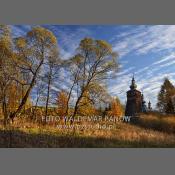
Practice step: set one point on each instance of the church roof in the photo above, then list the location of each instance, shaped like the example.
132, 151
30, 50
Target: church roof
133, 90
133, 84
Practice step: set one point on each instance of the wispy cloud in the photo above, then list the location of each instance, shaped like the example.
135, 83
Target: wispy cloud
167, 58
144, 39
68, 39
20, 30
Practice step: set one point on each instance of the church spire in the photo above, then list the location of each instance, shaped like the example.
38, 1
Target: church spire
133, 85
149, 105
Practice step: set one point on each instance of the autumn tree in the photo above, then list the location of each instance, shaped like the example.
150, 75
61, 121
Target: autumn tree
72, 68
165, 103
116, 109
62, 99
94, 63
52, 66
98, 94
8, 88
39, 90
13, 95
31, 52
87, 106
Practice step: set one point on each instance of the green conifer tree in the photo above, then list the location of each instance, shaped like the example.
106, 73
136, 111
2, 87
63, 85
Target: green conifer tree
165, 103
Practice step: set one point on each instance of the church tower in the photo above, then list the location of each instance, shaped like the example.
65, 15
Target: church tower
149, 106
134, 100
144, 107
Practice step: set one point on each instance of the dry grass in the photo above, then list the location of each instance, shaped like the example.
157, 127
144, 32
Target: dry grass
148, 131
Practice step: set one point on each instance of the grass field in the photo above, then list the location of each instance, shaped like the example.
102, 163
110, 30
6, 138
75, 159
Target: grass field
148, 131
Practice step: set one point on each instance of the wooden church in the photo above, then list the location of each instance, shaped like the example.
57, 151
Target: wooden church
135, 101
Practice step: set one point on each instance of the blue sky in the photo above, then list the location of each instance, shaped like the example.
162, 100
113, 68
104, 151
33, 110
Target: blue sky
148, 51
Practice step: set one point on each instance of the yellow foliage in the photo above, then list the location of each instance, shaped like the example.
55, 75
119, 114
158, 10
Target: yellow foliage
62, 102
86, 106
20, 42
13, 97
42, 35
116, 108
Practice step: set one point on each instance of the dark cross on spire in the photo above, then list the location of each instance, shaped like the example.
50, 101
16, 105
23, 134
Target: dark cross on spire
133, 84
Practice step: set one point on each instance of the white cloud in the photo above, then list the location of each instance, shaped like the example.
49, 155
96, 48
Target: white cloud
125, 71
20, 31
69, 40
145, 39
166, 58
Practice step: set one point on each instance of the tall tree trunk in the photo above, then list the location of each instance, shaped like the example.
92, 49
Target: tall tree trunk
79, 99
76, 107
67, 104
69, 95
24, 99
4, 110
48, 95
36, 105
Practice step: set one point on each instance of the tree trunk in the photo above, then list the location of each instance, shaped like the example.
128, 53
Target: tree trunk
76, 108
48, 95
34, 110
4, 110
69, 95
24, 99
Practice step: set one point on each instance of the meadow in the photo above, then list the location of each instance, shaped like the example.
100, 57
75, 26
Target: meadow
149, 130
